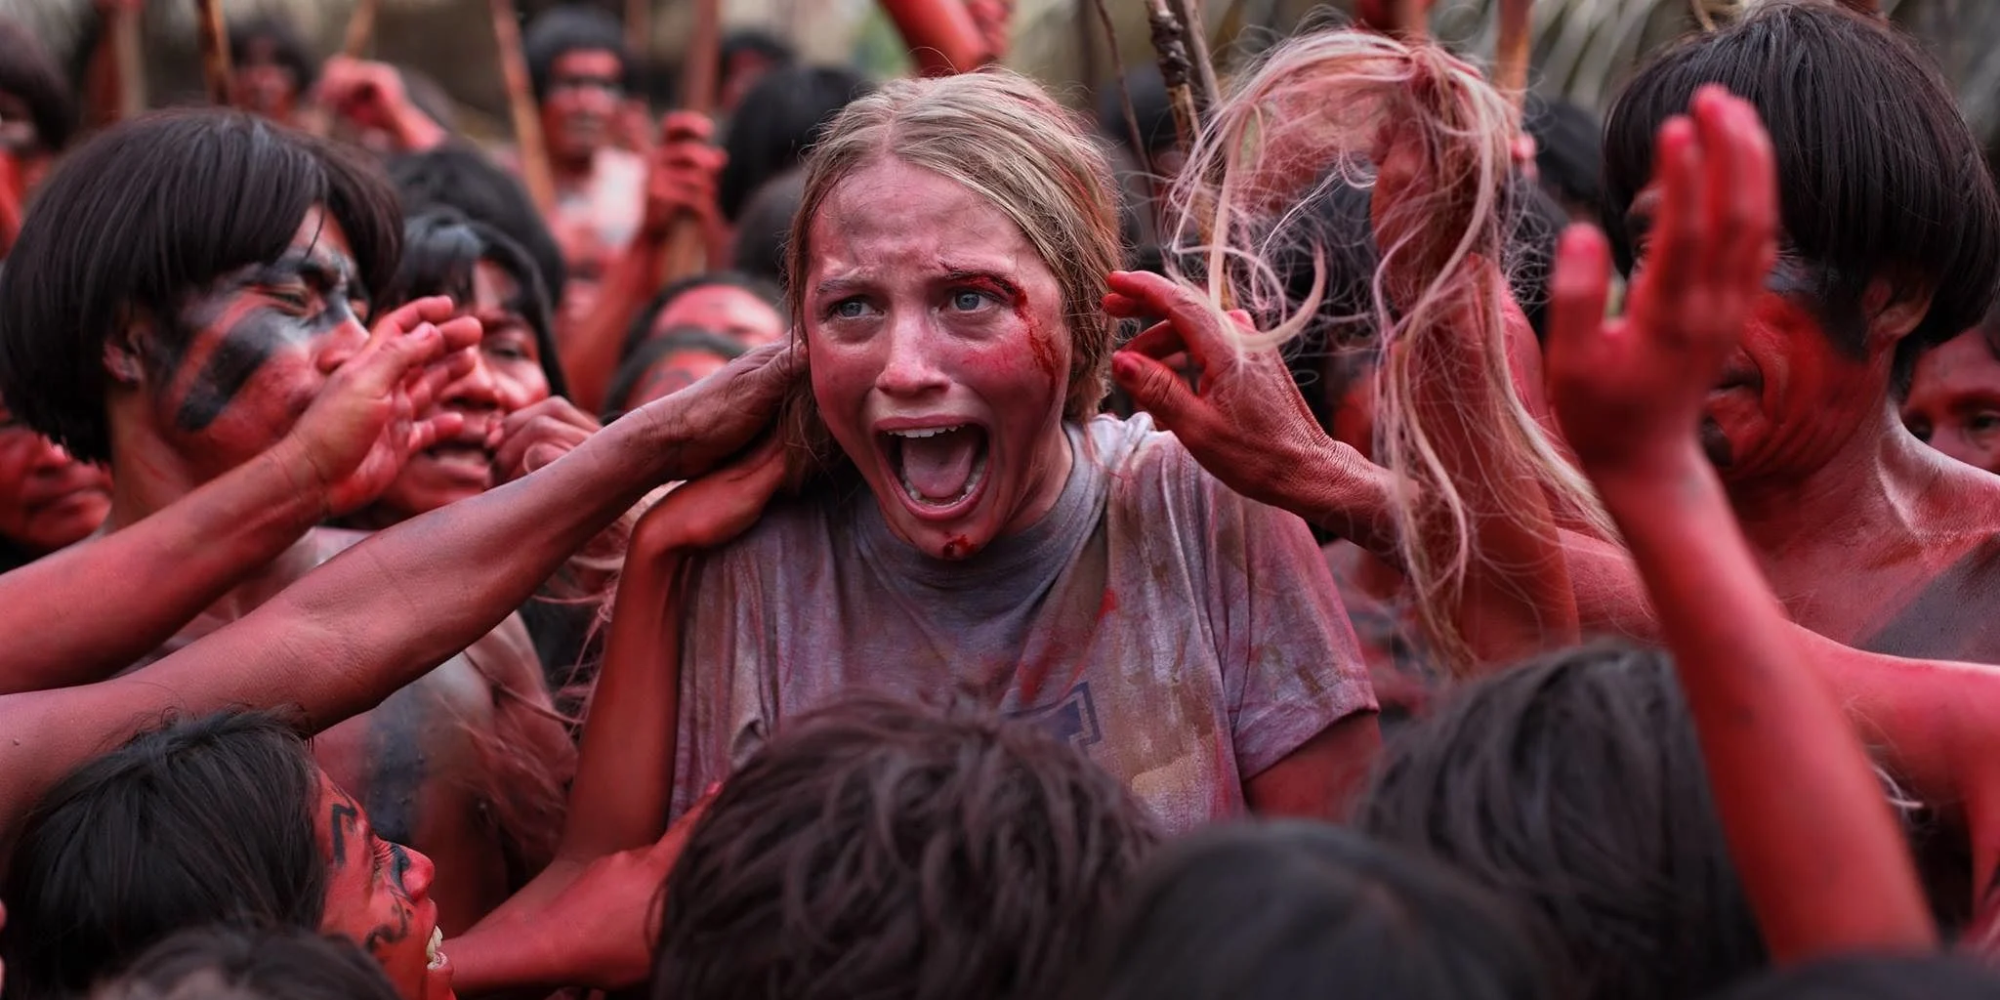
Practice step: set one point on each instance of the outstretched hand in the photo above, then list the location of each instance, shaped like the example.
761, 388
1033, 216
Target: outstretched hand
1244, 420
364, 425
1630, 390
713, 419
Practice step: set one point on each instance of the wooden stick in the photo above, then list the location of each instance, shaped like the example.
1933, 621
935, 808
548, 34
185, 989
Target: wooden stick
687, 244
128, 55
1412, 20
639, 29
361, 29
215, 64
1169, 43
534, 153
1872, 8
1202, 83
1138, 138
1510, 72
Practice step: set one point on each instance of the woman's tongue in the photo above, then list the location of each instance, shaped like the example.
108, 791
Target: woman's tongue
939, 469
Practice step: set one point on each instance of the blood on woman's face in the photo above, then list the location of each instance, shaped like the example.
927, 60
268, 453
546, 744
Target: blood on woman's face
247, 354
939, 356
1954, 401
506, 375
47, 499
378, 894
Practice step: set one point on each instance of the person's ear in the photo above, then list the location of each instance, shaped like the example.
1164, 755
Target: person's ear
125, 350
1894, 309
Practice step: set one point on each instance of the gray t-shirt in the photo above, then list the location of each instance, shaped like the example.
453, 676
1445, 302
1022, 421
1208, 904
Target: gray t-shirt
1185, 637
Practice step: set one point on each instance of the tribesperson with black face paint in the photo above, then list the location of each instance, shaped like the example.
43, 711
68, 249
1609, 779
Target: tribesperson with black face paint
183, 292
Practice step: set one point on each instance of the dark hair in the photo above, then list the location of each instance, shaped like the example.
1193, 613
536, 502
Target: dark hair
750, 41
1298, 909
457, 175
28, 72
1878, 175
1873, 977
641, 329
881, 849
225, 962
287, 47
570, 28
440, 249
617, 400
781, 116
1154, 113
1574, 783
1569, 152
204, 820
144, 215
765, 225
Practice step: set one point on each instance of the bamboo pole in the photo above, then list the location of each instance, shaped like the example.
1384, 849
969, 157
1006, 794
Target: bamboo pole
214, 37
360, 29
534, 152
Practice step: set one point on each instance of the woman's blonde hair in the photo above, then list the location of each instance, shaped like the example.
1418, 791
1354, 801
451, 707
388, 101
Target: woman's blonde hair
1308, 120
1000, 135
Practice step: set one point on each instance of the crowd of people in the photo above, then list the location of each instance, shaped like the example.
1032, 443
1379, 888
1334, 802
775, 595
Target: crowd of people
1396, 541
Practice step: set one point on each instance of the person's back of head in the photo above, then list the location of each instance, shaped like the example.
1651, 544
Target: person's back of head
1280, 910
765, 225
1569, 153
459, 176
1869, 977
881, 849
203, 821
1574, 784
237, 963
781, 116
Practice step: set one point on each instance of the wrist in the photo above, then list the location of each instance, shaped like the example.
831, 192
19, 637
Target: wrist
1647, 469
304, 484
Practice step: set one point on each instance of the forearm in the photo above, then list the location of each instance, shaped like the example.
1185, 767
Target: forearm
941, 35
590, 354
1822, 860
625, 775
102, 604
505, 953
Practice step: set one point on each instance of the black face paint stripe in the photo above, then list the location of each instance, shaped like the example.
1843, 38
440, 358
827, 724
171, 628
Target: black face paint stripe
243, 350
341, 813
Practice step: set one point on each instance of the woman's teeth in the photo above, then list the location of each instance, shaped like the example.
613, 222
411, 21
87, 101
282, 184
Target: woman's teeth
432, 950
928, 432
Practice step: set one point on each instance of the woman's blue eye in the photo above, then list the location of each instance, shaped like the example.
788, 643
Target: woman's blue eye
848, 308
968, 301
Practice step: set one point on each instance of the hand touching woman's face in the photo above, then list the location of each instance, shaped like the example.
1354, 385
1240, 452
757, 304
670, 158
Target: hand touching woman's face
939, 356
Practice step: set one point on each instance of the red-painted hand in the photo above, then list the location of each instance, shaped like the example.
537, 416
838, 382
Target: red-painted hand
1244, 421
364, 425
682, 173
711, 420
536, 435
716, 508
1628, 390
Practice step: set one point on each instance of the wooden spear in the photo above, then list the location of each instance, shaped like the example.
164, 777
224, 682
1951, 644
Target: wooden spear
639, 29
686, 243
360, 29
1510, 71
128, 56
214, 35
534, 153
1202, 84
1169, 44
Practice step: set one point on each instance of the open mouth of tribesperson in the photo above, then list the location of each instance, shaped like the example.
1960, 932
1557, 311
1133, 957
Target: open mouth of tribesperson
941, 469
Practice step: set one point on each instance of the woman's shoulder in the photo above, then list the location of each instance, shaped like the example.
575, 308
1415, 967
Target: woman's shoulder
1147, 464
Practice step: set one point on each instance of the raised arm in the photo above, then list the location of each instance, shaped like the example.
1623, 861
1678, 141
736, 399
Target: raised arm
105, 602
1821, 857
680, 179
383, 613
625, 776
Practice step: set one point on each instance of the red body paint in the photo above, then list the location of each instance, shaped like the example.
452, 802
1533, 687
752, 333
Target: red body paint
1110, 604
957, 548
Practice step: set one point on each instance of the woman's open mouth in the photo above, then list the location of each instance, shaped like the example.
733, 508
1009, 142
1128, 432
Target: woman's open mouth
941, 469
